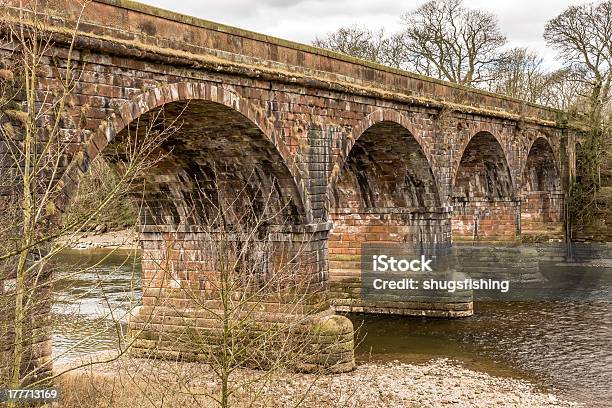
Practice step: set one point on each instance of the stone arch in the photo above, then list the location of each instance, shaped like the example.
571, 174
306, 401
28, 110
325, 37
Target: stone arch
392, 121
184, 241
177, 93
386, 168
540, 171
484, 199
542, 197
384, 193
483, 162
478, 130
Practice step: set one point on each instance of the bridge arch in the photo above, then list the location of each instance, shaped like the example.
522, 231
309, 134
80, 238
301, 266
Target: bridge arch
383, 191
482, 161
542, 197
379, 122
541, 170
177, 93
484, 199
495, 141
182, 239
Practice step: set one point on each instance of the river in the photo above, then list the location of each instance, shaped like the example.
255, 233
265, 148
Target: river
563, 346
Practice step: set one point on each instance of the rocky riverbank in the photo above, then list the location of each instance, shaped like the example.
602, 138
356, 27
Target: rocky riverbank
100, 238
439, 383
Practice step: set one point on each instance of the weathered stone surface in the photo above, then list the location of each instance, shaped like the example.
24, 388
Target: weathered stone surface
349, 152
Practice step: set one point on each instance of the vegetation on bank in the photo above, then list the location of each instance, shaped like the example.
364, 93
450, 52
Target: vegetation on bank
95, 185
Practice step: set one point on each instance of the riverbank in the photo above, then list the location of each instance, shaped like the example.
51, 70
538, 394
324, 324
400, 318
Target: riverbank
122, 239
438, 383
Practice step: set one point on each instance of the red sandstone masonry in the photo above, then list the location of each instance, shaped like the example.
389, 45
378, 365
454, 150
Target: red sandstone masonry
127, 20
316, 119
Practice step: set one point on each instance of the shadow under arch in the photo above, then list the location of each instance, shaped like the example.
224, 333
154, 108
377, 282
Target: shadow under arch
176, 93
483, 146
542, 198
484, 198
397, 133
386, 168
216, 156
540, 170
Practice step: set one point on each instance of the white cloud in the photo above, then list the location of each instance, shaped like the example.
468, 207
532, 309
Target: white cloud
302, 20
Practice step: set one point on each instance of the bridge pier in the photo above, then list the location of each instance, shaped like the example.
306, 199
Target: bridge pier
386, 194
485, 220
358, 236
542, 216
193, 305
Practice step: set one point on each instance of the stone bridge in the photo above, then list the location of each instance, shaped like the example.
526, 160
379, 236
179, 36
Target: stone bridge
354, 151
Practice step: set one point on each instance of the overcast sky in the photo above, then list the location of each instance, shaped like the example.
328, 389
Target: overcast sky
302, 20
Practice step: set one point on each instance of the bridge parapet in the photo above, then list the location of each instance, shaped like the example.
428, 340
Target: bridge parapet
126, 27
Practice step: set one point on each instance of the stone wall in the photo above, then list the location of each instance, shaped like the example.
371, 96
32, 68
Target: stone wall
542, 215
481, 220
184, 299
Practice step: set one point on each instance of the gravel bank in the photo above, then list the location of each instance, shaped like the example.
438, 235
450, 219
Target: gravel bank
438, 383
123, 239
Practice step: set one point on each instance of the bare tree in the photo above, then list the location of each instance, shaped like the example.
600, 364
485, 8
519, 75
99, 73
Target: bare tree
236, 293
519, 74
93, 188
356, 41
246, 273
564, 89
445, 40
394, 51
582, 35
364, 43
39, 129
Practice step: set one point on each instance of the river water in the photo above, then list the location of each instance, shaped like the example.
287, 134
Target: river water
563, 346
